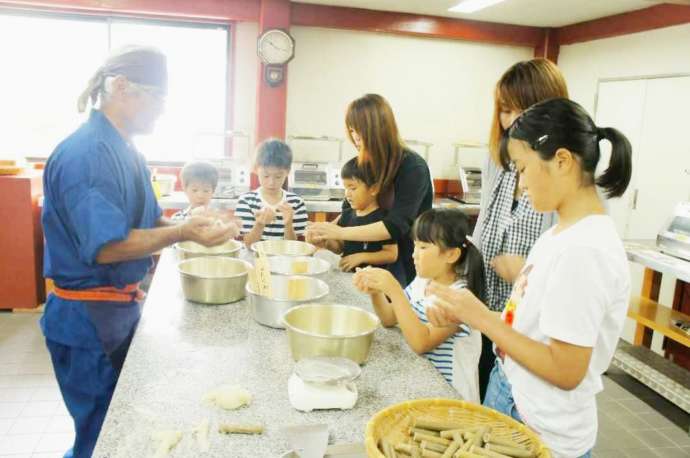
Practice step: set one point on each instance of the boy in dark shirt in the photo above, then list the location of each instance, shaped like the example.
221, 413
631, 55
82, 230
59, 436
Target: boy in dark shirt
364, 209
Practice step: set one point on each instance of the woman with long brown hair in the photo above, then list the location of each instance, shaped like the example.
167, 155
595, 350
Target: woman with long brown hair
402, 181
508, 226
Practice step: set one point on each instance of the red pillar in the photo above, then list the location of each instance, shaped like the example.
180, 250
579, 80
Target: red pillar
271, 102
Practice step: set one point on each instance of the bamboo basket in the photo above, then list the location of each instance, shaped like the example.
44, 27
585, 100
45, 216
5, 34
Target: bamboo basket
392, 423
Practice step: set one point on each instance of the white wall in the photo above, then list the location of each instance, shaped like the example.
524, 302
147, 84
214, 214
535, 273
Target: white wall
246, 73
656, 52
441, 90
661, 51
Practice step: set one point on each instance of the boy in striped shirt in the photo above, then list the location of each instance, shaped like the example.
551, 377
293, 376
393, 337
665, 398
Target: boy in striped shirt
270, 212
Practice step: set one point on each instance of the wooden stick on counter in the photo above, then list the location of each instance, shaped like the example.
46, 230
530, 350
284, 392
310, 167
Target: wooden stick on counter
227, 428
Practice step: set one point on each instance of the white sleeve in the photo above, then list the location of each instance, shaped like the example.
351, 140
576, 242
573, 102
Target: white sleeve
577, 296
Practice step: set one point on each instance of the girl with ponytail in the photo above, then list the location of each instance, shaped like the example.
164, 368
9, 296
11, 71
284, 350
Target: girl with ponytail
561, 325
443, 254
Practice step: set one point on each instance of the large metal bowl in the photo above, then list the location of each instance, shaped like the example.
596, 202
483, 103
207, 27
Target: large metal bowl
299, 265
269, 311
213, 279
330, 330
187, 250
284, 248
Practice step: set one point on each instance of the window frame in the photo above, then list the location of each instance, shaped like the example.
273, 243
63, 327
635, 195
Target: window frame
109, 18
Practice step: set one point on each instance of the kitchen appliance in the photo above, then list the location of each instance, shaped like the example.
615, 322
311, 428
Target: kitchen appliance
287, 291
316, 179
674, 238
323, 383
213, 280
330, 330
470, 185
229, 152
470, 177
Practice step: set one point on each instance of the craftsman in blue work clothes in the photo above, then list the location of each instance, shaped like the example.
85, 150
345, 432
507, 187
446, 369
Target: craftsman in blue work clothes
102, 223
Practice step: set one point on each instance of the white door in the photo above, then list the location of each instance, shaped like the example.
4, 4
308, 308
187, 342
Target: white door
620, 104
661, 169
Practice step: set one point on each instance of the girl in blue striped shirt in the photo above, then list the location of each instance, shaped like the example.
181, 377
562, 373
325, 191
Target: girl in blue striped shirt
443, 254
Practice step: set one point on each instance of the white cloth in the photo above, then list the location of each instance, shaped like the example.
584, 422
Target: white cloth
466, 353
457, 359
574, 288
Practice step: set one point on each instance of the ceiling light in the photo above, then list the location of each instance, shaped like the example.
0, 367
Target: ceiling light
470, 6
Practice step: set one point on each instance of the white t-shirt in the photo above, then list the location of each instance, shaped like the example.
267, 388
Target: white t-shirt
575, 288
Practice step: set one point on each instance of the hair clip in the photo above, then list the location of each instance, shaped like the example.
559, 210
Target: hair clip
540, 141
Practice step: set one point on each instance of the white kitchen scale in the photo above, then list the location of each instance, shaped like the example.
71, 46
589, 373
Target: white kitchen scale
323, 383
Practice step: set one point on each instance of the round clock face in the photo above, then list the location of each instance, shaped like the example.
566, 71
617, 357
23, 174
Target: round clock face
276, 47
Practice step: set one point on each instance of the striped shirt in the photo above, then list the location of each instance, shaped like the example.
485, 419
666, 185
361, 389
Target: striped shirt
442, 356
252, 202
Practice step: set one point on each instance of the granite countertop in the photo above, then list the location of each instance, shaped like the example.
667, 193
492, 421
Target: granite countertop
182, 350
177, 201
647, 253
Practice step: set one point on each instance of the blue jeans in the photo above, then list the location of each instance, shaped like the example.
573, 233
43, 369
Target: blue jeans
499, 396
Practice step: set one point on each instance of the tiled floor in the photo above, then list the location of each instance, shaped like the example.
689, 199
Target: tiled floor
633, 420
33, 420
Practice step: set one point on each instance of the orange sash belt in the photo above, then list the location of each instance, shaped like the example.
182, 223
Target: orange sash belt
102, 294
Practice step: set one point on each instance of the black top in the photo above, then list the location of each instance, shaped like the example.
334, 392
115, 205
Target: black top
412, 195
349, 218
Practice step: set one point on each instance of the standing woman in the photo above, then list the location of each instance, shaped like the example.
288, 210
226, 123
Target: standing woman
508, 225
403, 182
560, 328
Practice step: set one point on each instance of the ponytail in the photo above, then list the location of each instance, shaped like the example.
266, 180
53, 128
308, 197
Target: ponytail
471, 264
449, 228
562, 123
616, 178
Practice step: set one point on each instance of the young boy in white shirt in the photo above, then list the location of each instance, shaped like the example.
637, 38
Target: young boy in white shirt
199, 181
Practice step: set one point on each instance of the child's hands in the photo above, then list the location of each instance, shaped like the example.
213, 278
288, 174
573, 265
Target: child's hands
310, 238
349, 263
207, 231
326, 231
265, 216
375, 280
455, 306
288, 213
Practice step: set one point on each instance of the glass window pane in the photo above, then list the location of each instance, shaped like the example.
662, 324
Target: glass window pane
196, 102
46, 64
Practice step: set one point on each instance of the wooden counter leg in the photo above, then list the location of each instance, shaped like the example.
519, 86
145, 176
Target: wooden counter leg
651, 284
643, 335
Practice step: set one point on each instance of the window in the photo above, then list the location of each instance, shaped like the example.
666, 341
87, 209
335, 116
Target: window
197, 63
46, 67
52, 58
